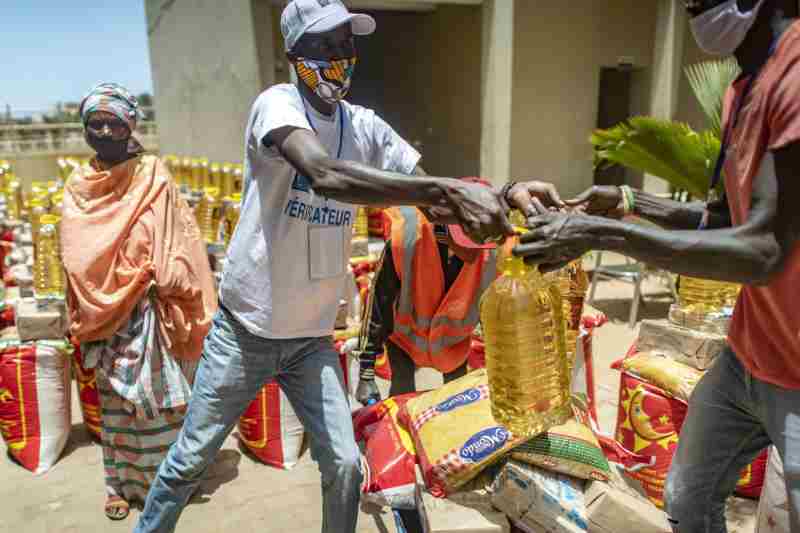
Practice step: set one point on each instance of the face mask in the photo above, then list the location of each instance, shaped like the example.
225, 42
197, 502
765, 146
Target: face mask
107, 148
722, 30
330, 80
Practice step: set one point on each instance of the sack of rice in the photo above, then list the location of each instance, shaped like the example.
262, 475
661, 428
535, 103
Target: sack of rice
455, 434
35, 408
271, 430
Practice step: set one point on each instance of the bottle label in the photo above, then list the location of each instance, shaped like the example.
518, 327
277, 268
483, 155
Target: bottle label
467, 397
482, 445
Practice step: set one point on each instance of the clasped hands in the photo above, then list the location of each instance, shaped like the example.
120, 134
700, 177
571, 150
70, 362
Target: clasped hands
559, 231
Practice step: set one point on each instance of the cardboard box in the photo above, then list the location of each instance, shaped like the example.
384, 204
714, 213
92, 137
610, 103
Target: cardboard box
445, 516
540, 501
35, 322
694, 348
610, 510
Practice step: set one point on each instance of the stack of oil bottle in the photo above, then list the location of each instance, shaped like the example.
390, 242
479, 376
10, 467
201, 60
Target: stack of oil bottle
214, 191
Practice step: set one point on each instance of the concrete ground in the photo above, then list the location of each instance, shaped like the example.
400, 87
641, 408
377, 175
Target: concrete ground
243, 496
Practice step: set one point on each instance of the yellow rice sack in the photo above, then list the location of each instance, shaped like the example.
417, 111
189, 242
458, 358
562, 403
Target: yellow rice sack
455, 433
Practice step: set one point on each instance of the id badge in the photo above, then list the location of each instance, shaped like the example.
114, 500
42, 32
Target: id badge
325, 252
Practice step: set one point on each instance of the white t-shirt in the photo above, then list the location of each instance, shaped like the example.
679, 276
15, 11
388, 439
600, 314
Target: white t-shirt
286, 265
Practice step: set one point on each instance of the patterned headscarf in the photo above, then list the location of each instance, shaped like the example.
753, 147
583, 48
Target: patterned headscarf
112, 98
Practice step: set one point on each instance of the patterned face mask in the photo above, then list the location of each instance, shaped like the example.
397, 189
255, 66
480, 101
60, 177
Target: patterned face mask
330, 80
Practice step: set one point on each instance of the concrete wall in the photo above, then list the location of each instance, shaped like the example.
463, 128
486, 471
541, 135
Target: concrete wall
206, 72
559, 49
689, 109
426, 87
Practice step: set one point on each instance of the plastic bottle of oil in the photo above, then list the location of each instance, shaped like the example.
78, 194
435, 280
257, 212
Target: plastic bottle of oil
232, 208
48, 270
215, 177
523, 327
706, 296
38, 209
573, 284
226, 179
209, 212
14, 198
238, 177
361, 226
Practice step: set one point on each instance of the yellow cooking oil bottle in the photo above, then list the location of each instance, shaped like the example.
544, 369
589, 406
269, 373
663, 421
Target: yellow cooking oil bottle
705, 296
573, 282
209, 212
526, 361
48, 270
361, 226
232, 207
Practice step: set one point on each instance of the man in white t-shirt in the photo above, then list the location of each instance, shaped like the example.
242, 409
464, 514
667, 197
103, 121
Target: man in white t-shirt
310, 156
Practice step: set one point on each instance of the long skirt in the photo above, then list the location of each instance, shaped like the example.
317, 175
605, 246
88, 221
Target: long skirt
133, 447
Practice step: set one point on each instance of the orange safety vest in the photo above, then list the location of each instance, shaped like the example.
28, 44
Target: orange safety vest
433, 326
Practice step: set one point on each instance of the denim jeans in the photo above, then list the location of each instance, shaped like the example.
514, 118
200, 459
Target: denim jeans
732, 417
234, 366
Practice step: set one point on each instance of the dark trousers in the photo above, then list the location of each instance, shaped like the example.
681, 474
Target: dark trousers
403, 382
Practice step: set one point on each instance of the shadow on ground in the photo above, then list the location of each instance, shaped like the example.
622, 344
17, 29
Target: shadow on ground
224, 470
79, 437
653, 307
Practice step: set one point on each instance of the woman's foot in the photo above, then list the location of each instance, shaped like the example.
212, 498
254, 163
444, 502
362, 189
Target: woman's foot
117, 508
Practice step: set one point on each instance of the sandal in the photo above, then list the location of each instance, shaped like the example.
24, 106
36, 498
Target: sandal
116, 508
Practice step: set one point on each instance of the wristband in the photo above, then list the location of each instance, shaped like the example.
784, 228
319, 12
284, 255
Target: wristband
628, 200
507, 189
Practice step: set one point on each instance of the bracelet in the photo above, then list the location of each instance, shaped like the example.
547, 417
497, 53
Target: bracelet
628, 200
507, 189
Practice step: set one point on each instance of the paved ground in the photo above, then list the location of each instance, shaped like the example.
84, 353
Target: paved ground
243, 496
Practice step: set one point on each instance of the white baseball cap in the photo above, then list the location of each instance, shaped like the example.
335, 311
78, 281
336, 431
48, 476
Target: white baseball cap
319, 16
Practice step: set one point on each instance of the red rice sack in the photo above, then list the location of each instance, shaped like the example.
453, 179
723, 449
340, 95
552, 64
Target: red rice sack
650, 420
390, 457
86, 379
270, 429
35, 408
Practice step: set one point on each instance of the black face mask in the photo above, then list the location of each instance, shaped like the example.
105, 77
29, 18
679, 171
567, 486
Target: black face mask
108, 149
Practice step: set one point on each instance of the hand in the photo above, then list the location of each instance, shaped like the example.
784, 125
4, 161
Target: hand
533, 198
480, 211
367, 390
439, 215
555, 239
600, 200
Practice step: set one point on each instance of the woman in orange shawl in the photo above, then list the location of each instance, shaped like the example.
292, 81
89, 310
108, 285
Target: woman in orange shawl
140, 293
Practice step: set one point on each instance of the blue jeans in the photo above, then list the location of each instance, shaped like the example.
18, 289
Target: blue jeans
234, 366
732, 417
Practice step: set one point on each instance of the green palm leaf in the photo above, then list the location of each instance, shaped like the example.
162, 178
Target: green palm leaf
709, 81
669, 150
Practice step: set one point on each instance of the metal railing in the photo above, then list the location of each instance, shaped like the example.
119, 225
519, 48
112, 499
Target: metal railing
55, 139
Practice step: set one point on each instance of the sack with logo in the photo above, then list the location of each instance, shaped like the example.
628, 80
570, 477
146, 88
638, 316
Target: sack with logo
571, 449
773, 509
270, 430
675, 378
377, 222
86, 379
648, 427
455, 434
35, 408
390, 458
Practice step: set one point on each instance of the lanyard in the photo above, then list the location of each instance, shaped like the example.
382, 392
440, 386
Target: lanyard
734, 120
341, 127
